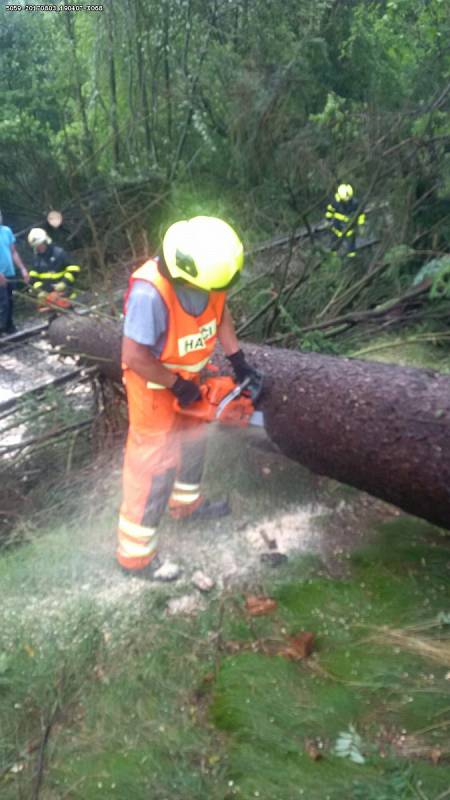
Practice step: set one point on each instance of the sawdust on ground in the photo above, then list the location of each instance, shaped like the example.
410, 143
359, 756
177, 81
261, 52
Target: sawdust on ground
228, 551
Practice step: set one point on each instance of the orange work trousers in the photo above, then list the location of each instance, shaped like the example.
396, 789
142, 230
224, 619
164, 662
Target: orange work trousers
163, 467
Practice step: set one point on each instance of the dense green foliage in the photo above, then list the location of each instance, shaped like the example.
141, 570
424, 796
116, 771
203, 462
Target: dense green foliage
266, 102
144, 112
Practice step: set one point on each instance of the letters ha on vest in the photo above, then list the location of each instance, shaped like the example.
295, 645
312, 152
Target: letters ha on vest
188, 344
190, 340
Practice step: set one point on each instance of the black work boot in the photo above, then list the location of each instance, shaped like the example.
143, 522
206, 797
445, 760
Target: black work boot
211, 509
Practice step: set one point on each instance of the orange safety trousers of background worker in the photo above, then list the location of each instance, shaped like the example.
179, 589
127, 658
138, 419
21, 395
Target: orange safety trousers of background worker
165, 450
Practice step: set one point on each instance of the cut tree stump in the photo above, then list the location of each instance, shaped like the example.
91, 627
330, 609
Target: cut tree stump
382, 428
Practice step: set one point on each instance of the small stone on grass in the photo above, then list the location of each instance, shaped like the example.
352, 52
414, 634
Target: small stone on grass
202, 582
168, 571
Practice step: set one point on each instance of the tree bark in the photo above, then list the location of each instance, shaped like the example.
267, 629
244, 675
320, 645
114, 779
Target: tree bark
382, 428
113, 87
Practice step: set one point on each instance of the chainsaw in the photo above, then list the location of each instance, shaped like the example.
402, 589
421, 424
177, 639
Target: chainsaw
53, 300
227, 402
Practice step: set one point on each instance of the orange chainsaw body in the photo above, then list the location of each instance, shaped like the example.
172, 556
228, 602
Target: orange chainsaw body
237, 411
54, 300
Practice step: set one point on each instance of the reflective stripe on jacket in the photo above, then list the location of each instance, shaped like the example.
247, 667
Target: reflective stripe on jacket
190, 340
343, 212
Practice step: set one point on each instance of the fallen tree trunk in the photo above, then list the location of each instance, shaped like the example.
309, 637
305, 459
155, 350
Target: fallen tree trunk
382, 428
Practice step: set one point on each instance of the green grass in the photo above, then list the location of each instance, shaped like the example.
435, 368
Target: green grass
402, 349
269, 707
152, 707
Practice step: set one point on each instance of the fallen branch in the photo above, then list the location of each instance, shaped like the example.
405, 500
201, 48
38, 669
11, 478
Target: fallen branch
39, 772
426, 337
355, 317
285, 295
36, 440
433, 650
79, 374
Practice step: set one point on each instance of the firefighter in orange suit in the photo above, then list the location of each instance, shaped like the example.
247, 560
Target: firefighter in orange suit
175, 311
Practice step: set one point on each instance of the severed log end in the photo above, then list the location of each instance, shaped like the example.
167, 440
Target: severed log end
98, 341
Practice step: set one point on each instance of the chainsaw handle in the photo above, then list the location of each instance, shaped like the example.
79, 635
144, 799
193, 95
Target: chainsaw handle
223, 400
200, 409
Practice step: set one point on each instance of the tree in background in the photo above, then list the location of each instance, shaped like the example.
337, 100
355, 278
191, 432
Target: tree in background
256, 108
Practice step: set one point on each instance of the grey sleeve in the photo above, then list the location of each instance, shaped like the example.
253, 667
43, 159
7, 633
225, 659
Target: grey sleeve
146, 320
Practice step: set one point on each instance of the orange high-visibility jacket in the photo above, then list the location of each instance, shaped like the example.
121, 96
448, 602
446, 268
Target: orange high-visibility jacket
190, 340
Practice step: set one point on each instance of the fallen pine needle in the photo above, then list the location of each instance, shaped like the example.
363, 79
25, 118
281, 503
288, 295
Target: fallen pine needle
432, 649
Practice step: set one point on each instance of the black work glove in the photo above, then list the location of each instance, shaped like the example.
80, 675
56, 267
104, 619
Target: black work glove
186, 392
241, 369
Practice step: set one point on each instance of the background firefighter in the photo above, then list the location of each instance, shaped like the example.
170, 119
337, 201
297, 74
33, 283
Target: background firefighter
53, 275
175, 311
342, 210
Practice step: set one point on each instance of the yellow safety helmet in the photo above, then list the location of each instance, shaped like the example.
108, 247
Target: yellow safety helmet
38, 236
204, 251
344, 192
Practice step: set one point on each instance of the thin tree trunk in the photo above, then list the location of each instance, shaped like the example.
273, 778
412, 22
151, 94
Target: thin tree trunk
166, 63
70, 27
113, 87
141, 32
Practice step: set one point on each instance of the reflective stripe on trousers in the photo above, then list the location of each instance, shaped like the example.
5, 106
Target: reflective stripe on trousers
339, 233
185, 493
163, 462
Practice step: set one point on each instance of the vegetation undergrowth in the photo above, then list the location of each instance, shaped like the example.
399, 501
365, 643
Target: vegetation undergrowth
407, 349
122, 701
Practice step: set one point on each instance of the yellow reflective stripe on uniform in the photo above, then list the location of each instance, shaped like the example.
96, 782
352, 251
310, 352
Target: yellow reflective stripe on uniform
186, 487
73, 268
69, 277
37, 284
135, 530
185, 492
361, 219
337, 232
341, 217
186, 367
185, 497
127, 548
189, 367
49, 275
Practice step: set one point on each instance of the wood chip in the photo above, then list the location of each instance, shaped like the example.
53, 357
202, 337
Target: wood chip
257, 606
313, 751
202, 582
298, 647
